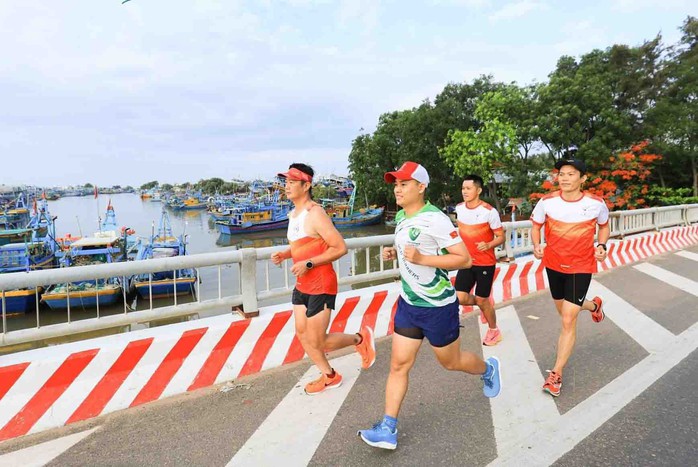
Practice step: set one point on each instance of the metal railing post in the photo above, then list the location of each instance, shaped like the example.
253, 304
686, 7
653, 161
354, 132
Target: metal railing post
248, 281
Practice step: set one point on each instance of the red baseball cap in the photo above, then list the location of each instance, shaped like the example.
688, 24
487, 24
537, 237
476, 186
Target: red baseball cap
408, 171
295, 174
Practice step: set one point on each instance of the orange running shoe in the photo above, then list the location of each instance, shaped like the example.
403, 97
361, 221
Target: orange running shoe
367, 348
323, 383
598, 315
553, 384
493, 337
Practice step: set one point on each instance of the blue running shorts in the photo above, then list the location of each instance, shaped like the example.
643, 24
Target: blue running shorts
440, 325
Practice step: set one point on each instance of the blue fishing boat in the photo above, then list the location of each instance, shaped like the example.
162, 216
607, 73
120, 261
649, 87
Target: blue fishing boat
109, 245
345, 217
13, 222
361, 218
165, 283
270, 213
36, 254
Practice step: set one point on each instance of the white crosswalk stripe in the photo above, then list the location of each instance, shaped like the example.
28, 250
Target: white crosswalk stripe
668, 277
688, 255
643, 329
41, 454
292, 432
521, 403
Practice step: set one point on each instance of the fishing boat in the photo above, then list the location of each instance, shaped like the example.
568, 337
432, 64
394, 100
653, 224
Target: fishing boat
345, 217
109, 245
247, 219
164, 244
101, 248
35, 254
361, 218
13, 222
189, 204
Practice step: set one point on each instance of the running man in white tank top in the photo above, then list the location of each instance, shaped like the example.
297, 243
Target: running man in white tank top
315, 244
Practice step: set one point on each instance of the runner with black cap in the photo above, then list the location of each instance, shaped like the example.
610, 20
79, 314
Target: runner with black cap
315, 244
426, 247
570, 217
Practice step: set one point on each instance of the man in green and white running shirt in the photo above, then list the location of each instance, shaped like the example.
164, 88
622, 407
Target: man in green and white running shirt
432, 233
426, 246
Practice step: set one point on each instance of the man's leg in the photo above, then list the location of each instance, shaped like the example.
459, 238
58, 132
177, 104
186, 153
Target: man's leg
488, 310
311, 333
451, 357
402, 358
568, 334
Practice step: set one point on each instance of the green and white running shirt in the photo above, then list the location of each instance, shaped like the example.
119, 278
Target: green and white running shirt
431, 232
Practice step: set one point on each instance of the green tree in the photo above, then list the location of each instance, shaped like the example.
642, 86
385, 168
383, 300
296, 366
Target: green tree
149, 185
675, 117
484, 151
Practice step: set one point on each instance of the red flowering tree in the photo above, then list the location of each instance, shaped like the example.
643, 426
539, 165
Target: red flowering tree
622, 183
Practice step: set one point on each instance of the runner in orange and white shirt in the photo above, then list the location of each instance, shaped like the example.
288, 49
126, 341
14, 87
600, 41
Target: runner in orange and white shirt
315, 244
570, 217
481, 230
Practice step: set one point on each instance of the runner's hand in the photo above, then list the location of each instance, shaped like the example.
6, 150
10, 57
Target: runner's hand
538, 251
299, 269
276, 258
483, 246
389, 253
600, 254
413, 255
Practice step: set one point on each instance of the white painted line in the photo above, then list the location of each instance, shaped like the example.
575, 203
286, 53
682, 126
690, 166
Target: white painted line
522, 406
42, 454
553, 440
688, 254
643, 329
668, 277
295, 428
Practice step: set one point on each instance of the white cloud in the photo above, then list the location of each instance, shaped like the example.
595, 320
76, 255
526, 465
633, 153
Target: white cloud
476, 4
516, 10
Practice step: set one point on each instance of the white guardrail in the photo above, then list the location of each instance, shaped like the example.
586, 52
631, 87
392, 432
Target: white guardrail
258, 280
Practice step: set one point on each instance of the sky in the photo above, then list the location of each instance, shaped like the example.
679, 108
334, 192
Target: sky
179, 90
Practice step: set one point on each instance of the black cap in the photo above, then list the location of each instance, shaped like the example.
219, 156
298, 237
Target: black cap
576, 163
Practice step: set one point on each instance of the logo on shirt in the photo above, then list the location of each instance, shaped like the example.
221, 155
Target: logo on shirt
454, 234
414, 232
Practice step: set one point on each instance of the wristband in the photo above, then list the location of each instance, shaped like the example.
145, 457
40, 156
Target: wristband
602, 245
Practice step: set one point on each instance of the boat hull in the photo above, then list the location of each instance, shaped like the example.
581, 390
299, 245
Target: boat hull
166, 287
227, 229
21, 301
84, 299
361, 220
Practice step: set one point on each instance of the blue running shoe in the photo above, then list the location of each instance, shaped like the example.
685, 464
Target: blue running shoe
379, 436
493, 384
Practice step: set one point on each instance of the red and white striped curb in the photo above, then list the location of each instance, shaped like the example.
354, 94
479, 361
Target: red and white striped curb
50, 387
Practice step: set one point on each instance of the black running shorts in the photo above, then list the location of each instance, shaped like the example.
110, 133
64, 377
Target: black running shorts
314, 304
570, 287
479, 276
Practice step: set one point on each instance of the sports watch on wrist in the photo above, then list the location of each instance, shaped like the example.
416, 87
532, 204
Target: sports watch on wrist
309, 264
602, 245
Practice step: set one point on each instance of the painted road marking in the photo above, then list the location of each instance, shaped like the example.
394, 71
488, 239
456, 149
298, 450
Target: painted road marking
688, 254
286, 436
643, 329
41, 454
675, 280
521, 406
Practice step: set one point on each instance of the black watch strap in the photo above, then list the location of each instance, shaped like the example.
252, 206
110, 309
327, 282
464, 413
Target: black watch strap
309, 264
602, 245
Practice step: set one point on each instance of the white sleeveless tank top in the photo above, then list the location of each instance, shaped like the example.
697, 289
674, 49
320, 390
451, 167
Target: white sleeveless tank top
296, 226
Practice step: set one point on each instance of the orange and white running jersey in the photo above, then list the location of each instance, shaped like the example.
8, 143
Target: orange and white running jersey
321, 279
570, 227
476, 225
